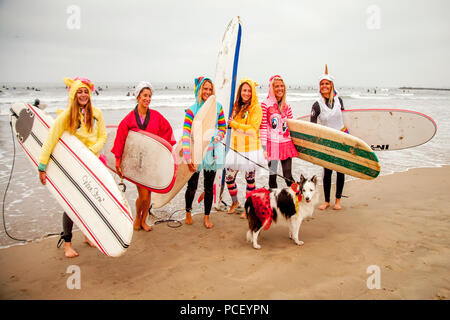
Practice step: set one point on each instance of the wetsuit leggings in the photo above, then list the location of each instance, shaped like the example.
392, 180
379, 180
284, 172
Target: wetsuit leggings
67, 228
208, 184
340, 178
286, 165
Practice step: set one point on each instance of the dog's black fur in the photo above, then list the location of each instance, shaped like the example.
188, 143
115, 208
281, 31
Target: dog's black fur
284, 201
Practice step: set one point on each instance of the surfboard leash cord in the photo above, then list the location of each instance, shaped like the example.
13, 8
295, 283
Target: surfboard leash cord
178, 222
7, 187
267, 169
168, 220
6, 192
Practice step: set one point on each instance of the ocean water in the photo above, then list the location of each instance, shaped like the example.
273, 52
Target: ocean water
32, 213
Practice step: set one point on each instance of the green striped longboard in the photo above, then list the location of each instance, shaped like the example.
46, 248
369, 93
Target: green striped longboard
333, 149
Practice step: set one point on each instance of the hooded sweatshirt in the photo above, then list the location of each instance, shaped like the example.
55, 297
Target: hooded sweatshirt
275, 136
94, 140
245, 125
330, 117
215, 156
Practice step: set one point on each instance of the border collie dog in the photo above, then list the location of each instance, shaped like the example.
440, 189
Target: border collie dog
295, 203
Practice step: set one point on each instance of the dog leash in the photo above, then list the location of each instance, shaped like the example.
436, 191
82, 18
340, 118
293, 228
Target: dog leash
267, 169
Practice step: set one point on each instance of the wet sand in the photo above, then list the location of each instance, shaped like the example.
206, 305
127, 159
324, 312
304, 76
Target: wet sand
397, 224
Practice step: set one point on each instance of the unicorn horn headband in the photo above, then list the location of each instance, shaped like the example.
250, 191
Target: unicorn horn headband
326, 76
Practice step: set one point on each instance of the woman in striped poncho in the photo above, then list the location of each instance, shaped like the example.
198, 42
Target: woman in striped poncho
214, 158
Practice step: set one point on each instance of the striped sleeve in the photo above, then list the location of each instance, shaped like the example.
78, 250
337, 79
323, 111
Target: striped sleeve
263, 126
221, 124
289, 112
186, 138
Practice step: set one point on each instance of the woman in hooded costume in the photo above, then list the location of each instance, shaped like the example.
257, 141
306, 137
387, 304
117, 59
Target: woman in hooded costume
275, 136
214, 158
328, 110
246, 152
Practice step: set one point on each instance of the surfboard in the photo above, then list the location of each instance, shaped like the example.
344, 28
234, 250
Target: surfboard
147, 159
388, 129
202, 131
79, 181
225, 87
333, 149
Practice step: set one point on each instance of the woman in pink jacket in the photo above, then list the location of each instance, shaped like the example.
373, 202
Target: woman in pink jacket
150, 120
274, 132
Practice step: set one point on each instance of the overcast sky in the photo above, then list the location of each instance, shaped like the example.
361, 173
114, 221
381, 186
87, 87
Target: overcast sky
365, 43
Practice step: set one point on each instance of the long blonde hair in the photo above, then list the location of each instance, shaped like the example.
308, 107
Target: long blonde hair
283, 99
200, 91
331, 99
332, 93
74, 118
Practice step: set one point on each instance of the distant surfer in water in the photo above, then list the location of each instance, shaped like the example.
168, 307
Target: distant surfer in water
214, 158
86, 123
150, 120
274, 132
328, 109
245, 122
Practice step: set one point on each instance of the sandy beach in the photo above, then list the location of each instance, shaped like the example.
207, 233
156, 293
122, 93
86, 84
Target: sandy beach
398, 223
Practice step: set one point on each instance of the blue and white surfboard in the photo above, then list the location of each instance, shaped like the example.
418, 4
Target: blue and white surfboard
225, 86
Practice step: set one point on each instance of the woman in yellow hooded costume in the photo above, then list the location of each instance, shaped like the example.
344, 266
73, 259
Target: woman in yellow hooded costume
245, 148
86, 123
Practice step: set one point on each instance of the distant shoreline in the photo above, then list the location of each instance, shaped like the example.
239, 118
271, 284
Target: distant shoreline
413, 88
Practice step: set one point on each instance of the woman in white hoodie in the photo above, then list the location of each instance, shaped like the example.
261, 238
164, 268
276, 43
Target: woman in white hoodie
328, 110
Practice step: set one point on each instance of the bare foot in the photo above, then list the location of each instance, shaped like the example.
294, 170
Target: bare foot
189, 218
233, 207
243, 215
69, 252
146, 227
207, 223
337, 205
324, 206
137, 223
86, 240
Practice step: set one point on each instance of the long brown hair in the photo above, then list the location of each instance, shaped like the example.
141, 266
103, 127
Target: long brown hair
74, 118
239, 105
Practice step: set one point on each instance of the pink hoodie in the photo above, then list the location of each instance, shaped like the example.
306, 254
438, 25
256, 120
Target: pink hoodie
274, 132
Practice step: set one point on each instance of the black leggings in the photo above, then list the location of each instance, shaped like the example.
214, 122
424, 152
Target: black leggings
67, 228
208, 184
286, 165
340, 178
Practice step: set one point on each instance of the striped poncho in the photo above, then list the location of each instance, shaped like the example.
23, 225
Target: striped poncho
215, 157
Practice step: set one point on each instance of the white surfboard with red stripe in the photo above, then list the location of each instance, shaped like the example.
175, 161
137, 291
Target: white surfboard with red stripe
148, 160
80, 182
388, 129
